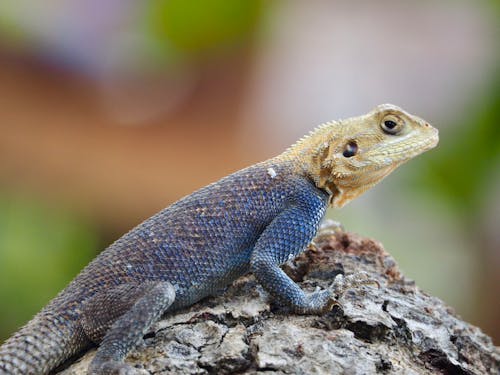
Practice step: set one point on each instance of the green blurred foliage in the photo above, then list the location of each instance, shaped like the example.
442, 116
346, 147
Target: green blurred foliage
469, 153
12, 34
197, 27
48, 244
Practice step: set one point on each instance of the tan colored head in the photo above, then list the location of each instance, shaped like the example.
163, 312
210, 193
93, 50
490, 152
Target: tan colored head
348, 157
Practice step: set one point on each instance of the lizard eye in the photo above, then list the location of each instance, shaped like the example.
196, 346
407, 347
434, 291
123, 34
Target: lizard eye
391, 124
351, 148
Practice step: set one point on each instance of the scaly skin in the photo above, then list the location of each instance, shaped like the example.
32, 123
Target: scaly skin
253, 220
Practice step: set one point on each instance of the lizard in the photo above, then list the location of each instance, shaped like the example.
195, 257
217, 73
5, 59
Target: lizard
253, 220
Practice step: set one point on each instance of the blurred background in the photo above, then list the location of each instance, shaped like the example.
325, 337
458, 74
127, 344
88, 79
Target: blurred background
111, 110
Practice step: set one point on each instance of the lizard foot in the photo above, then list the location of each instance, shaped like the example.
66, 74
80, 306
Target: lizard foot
342, 283
318, 302
115, 368
323, 301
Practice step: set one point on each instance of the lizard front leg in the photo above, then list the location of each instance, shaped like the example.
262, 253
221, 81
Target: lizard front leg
287, 236
284, 238
120, 317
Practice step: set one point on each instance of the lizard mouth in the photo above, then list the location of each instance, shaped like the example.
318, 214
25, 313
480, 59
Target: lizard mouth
424, 144
405, 149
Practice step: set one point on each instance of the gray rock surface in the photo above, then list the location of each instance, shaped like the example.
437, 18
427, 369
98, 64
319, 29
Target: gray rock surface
394, 329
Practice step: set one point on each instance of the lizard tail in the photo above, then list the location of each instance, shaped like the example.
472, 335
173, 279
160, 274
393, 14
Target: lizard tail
41, 345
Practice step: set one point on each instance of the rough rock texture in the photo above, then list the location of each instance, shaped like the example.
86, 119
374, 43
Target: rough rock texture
396, 329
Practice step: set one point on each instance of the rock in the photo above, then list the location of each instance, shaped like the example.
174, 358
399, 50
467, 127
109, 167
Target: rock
394, 329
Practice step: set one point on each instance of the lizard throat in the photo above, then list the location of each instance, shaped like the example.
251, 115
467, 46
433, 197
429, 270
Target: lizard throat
326, 183
352, 186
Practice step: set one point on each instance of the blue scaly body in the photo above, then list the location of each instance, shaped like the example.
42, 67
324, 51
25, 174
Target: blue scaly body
253, 220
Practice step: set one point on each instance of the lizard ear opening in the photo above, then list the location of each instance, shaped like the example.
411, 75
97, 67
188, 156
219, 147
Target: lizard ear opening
350, 149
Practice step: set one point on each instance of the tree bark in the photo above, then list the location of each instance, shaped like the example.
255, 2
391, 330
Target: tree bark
394, 329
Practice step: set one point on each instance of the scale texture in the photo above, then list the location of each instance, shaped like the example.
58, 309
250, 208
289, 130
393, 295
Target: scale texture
253, 220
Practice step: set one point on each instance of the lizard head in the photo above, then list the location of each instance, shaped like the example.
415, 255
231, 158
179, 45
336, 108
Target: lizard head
348, 157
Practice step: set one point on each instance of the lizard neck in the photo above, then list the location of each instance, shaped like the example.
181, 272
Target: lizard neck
308, 156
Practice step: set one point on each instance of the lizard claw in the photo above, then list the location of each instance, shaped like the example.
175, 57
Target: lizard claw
342, 283
332, 302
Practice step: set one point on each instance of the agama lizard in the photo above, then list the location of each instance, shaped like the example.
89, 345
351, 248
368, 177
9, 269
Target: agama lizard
253, 220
